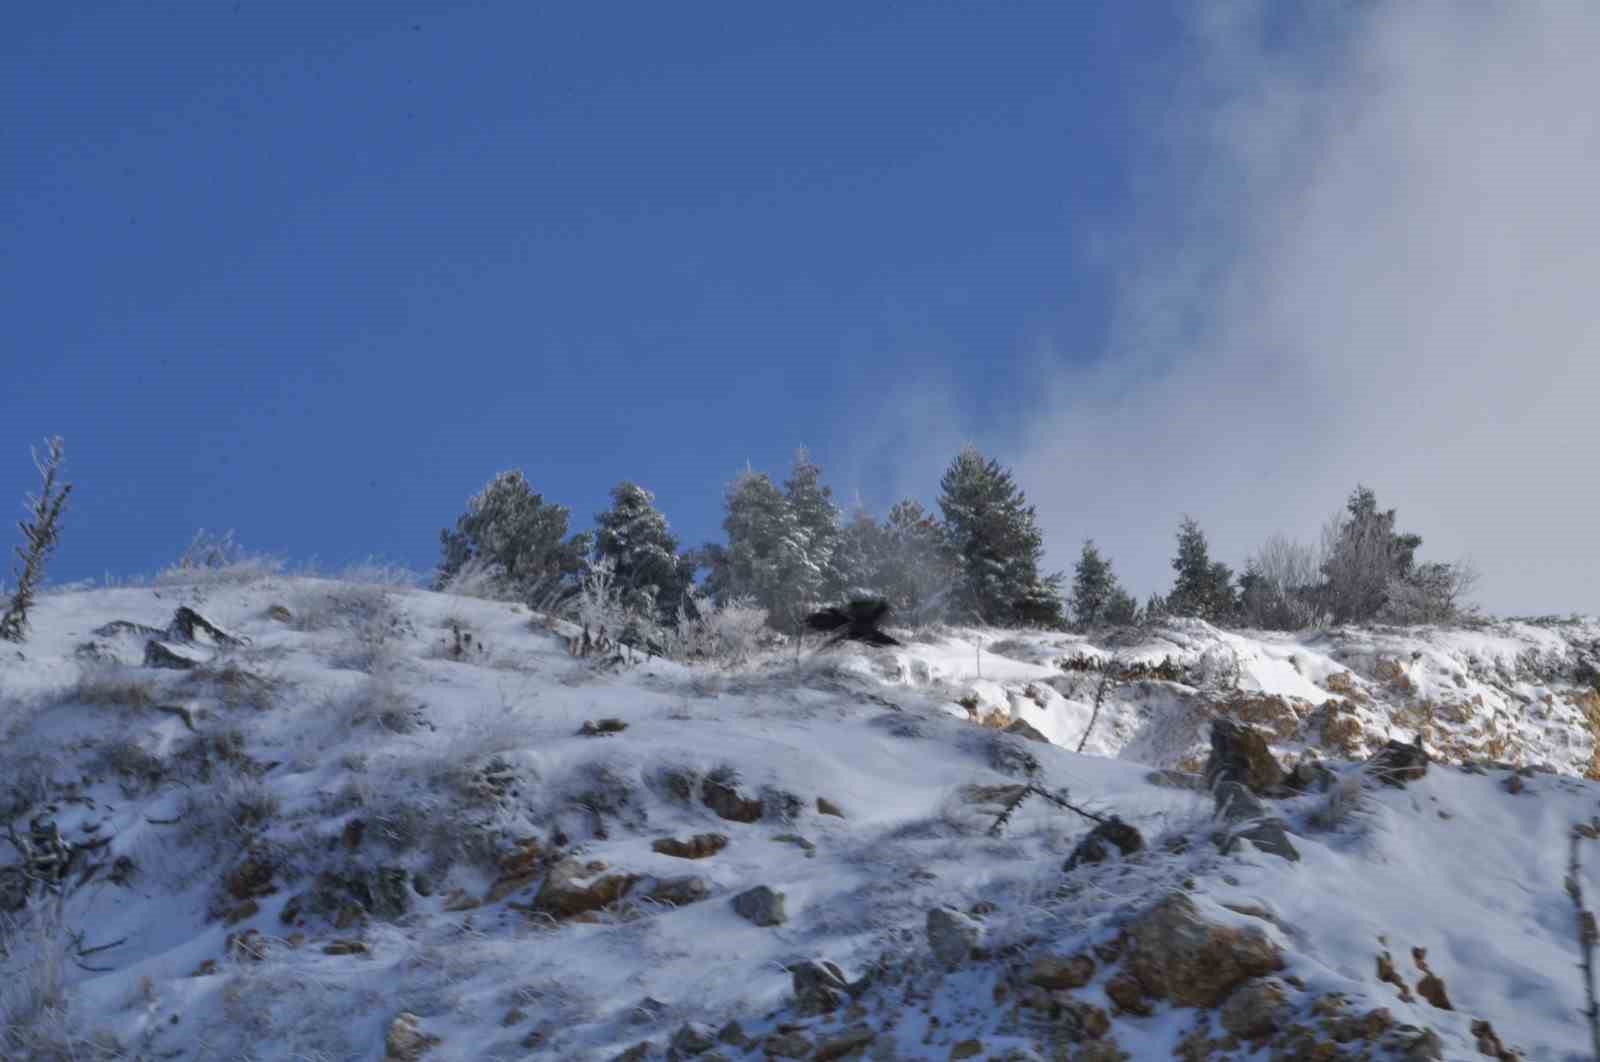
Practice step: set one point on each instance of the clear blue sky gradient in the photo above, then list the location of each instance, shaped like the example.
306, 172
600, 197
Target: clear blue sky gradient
316, 271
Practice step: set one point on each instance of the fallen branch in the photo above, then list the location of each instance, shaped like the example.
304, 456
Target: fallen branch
180, 711
1034, 789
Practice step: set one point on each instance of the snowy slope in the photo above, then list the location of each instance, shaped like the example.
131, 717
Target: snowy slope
358, 813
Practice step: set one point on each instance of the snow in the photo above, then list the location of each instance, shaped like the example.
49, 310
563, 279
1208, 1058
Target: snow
367, 715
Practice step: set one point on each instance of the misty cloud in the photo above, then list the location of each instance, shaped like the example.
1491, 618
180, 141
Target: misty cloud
1374, 257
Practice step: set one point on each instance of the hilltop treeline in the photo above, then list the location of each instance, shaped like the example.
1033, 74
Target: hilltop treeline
790, 548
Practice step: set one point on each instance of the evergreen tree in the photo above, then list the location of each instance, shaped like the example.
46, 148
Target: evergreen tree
633, 536
767, 556
518, 540
918, 566
1363, 558
1121, 610
817, 519
1092, 586
861, 558
998, 545
1203, 588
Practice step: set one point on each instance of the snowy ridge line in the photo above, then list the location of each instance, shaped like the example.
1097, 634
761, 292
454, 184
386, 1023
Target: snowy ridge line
413, 825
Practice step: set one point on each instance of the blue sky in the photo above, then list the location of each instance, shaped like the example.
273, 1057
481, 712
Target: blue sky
315, 272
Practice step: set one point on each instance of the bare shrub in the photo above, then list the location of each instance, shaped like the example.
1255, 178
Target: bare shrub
37, 1019
1346, 802
1432, 593
730, 635
230, 814
112, 686
216, 559
1280, 585
140, 769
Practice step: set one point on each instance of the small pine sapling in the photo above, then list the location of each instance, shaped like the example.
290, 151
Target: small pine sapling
39, 540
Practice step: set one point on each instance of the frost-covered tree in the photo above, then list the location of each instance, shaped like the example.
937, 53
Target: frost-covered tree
1363, 556
996, 539
817, 519
1278, 589
1203, 588
39, 535
767, 556
918, 566
1121, 610
1092, 586
647, 573
515, 541
862, 556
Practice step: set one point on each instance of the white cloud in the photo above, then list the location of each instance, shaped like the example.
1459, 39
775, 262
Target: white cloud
1388, 272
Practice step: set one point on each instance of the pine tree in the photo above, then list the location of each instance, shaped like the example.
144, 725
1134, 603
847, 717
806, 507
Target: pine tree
918, 566
767, 556
998, 544
1121, 610
518, 540
817, 519
633, 536
1203, 588
861, 557
1364, 557
1092, 586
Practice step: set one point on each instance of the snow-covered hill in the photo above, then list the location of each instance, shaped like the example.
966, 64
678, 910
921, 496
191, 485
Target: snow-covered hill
392, 823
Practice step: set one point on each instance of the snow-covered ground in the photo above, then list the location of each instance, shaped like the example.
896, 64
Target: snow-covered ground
382, 802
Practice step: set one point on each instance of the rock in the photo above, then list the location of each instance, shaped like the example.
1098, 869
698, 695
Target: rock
383, 892
1488, 1043
573, 888
279, 614
1430, 987
965, 1049
1421, 1046
1098, 844
855, 1038
732, 1034
190, 626
952, 935
1024, 729
1056, 973
235, 915
761, 906
354, 831
637, 1053
421, 884
15, 887
1398, 763
820, 987
1127, 995
604, 727
1239, 754
691, 1039
1269, 835
159, 654
1236, 803
727, 802
1256, 1009
700, 846
1309, 775
828, 807
798, 841
1174, 954
678, 892
405, 1041
786, 1045
252, 878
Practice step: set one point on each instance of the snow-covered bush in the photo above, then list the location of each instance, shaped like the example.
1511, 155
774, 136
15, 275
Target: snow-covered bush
729, 635
213, 558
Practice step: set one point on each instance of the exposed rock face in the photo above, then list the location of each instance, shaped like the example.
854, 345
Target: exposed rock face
761, 906
678, 892
1256, 1009
1175, 954
1056, 973
819, 987
952, 935
828, 807
1240, 754
1398, 763
1106, 837
159, 654
573, 888
1268, 835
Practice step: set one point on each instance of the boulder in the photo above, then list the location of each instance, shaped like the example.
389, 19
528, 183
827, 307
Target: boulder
1057, 974
692, 1039
952, 935
1175, 954
724, 798
761, 906
1106, 837
160, 654
405, 1040
573, 888
1239, 753
1397, 763
1269, 835
1255, 1009
700, 846
1022, 728
678, 892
